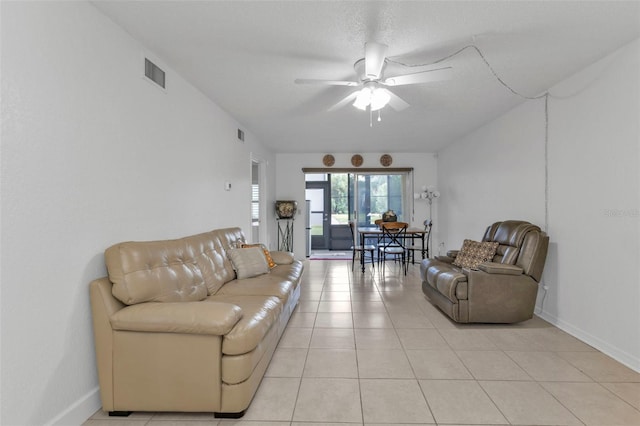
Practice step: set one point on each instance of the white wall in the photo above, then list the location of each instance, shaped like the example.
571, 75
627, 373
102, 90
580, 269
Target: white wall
594, 205
290, 183
93, 154
493, 174
498, 172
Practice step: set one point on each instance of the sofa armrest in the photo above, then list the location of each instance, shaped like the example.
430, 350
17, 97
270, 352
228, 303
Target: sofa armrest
500, 268
214, 318
453, 253
282, 257
445, 259
500, 298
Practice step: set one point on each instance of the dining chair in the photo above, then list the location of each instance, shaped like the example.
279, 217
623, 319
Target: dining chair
394, 235
359, 248
422, 242
377, 222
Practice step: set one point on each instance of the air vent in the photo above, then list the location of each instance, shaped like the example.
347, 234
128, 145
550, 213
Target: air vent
241, 135
153, 73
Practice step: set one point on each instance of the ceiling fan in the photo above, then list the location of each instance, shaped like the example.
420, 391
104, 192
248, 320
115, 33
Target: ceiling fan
370, 71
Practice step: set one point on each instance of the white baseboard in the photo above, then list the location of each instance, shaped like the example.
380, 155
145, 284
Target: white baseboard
79, 411
619, 355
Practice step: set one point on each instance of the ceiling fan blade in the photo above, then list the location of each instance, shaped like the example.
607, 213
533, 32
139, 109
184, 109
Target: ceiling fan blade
326, 82
344, 102
396, 102
374, 54
440, 74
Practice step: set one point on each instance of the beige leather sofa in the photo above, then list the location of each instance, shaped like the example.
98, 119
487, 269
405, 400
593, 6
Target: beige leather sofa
176, 331
501, 291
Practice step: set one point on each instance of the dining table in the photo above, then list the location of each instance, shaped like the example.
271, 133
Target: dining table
375, 232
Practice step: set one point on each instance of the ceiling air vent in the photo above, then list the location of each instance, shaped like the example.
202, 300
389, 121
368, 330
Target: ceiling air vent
153, 72
241, 135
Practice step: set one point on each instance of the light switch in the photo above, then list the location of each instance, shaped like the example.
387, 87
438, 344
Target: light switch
227, 186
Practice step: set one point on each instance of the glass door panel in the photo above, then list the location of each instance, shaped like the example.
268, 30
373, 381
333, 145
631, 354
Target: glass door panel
377, 193
318, 195
337, 198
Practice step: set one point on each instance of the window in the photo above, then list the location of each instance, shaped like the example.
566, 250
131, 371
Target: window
255, 195
368, 194
340, 199
316, 177
378, 193
255, 204
153, 73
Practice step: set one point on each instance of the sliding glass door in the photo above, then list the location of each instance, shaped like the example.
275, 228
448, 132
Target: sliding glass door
317, 193
361, 197
376, 193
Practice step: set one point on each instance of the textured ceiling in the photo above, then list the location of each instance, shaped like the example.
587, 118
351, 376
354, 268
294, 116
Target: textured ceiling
246, 55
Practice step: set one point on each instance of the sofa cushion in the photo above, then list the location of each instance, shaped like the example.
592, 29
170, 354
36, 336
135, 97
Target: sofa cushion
171, 270
506, 254
214, 264
434, 267
473, 253
424, 267
282, 257
155, 271
259, 314
264, 285
290, 272
248, 262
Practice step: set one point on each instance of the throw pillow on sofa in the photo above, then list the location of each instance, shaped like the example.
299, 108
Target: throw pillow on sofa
282, 257
265, 250
473, 253
248, 262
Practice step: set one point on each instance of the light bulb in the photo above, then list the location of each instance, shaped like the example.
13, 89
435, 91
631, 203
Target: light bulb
363, 99
379, 98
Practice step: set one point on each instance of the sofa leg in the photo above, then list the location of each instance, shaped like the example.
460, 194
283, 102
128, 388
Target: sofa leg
229, 415
119, 413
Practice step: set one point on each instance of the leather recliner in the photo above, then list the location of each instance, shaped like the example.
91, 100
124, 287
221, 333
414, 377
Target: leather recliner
501, 291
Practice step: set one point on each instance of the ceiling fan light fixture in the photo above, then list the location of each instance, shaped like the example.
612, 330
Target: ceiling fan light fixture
379, 99
363, 99
374, 98
373, 95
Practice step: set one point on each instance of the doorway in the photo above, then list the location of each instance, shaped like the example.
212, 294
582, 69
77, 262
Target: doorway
318, 194
337, 198
258, 209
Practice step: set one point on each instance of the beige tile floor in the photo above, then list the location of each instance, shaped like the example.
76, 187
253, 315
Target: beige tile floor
370, 349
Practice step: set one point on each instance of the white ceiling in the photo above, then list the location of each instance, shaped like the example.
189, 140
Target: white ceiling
245, 56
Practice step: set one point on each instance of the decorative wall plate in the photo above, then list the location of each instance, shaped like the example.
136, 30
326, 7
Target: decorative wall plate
386, 160
328, 160
357, 160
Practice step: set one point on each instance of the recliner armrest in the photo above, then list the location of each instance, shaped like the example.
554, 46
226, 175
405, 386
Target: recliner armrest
444, 259
215, 318
500, 268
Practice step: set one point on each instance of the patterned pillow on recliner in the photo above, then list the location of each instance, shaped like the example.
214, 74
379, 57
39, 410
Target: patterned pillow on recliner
474, 253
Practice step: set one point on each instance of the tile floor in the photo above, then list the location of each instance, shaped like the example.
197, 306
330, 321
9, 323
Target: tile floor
367, 349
